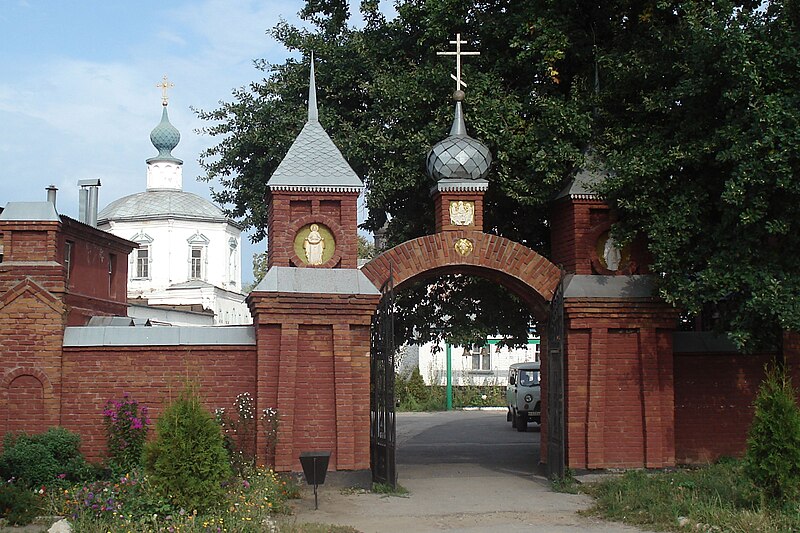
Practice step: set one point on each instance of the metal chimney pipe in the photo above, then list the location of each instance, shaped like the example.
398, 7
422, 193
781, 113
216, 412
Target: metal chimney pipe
87, 201
51, 194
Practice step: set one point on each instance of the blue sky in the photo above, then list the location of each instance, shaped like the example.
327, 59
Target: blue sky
78, 94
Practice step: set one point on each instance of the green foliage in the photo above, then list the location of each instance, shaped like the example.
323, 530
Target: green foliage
412, 394
716, 497
46, 459
18, 505
126, 431
187, 461
366, 249
773, 444
134, 503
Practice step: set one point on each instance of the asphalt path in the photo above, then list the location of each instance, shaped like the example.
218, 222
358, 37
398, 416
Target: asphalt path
466, 471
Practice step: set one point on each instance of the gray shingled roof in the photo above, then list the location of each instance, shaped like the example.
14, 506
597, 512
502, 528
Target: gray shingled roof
161, 203
313, 161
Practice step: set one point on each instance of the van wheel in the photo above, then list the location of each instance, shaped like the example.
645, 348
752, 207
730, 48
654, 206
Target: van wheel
522, 421
514, 419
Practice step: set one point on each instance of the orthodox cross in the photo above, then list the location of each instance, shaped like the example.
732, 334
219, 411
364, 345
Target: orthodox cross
458, 53
164, 85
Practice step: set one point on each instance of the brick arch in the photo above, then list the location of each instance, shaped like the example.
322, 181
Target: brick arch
518, 268
24, 395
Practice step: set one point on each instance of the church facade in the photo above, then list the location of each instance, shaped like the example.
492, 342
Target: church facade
189, 253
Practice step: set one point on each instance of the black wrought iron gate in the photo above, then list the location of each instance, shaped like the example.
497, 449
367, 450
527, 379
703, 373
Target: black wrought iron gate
382, 414
555, 385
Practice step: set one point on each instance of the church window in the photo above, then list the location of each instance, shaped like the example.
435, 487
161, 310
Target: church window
143, 262
198, 246
197, 263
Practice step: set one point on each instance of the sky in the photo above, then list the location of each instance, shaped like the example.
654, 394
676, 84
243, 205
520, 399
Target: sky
78, 95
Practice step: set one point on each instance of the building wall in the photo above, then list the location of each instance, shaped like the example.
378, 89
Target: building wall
433, 363
151, 375
714, 396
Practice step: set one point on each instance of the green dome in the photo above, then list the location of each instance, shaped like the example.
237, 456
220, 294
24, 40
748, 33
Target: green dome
165, 137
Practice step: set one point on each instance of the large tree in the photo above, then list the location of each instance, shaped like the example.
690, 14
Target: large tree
684, 88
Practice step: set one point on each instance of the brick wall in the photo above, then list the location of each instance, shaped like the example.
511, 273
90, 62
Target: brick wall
714, 396
152, 375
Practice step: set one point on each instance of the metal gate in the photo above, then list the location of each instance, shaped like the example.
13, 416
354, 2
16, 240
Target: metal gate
382, 415
555, 385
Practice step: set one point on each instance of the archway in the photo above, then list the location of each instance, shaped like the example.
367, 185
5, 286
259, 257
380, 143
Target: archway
531, 277
518, 268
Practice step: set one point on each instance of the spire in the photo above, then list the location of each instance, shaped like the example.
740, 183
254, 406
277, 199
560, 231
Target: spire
312, 94
459, 127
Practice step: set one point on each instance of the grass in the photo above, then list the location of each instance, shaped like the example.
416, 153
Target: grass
712, 498
388, 490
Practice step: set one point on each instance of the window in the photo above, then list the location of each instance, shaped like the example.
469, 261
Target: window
143, 262
141, 257
481, 358
197, 263
198, 249
68, 258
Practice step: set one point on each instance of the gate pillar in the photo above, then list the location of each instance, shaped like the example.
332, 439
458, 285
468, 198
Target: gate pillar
619, 410
313, 344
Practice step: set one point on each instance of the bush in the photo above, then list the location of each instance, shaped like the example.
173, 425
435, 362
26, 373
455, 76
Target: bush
49, 458
18, 505
126, 431
187, 461
239, 433
772, 460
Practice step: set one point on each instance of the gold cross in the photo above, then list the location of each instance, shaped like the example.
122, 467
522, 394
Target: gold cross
164, 85
458, 53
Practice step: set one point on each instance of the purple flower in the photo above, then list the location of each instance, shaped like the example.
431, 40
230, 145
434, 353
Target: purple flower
136, 423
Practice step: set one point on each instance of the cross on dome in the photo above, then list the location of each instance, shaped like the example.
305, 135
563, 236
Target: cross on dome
458, 53
164, 86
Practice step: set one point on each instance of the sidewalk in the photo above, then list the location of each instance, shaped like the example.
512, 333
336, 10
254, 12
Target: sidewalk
456, 498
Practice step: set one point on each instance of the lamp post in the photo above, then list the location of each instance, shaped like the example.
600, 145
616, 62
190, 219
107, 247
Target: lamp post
449, 387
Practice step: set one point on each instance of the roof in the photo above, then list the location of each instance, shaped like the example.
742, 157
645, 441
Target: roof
30, 211
316, 281
313, 162
159, 336
590, 286
586, 180
161, 203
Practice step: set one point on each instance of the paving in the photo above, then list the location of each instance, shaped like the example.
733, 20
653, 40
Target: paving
464, 471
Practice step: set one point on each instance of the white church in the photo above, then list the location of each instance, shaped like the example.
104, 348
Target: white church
187, 268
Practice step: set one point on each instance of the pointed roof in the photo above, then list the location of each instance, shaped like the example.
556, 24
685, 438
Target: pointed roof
313, 162
584, 184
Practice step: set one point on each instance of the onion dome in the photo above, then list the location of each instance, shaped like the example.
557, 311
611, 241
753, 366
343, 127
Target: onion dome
165, 137
459, 156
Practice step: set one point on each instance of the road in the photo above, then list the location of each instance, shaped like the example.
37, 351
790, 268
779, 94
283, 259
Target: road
465, 471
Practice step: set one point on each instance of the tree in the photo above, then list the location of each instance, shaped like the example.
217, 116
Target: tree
694, 111
701, 131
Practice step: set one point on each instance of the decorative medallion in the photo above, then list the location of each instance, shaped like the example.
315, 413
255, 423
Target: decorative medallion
314, 244
464, 246
462, 213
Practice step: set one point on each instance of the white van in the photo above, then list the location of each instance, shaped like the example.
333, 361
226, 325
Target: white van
524, 395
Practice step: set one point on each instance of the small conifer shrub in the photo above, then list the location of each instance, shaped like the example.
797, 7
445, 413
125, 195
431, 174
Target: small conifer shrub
772, 461
187, 461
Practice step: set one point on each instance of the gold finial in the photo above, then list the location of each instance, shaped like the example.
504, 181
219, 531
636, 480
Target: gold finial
164, 85
458, 53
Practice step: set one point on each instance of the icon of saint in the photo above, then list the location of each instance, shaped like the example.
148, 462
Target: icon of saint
612, 254
314, 246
